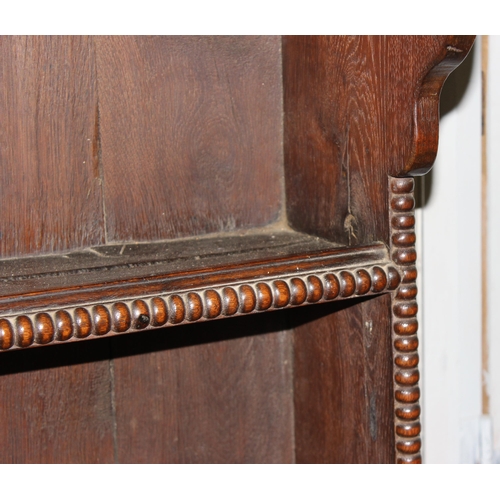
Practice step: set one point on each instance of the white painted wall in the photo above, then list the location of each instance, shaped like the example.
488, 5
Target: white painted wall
493, 129
450, 283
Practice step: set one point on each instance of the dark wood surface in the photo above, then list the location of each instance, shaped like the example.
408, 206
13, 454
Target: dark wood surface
187, 125
368, 108
219, 393
50, 187
56, 407
343, 373
113, 140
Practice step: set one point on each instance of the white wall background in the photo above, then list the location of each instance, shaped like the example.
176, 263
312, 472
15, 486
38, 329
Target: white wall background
493, 128
454, 427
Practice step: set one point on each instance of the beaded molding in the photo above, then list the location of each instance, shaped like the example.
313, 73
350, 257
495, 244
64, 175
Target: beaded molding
404, 322
44, 327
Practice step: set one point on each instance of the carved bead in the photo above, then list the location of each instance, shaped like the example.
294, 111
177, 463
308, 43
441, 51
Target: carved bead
408, 395
332, 286
403, 222
6, 334
44, 329
403, 185
379, 279
281, 293
230, 303
64, 325
407, 292
347, 284
247, 299
409, 377
102, 320
213, 304
298, 291
363, 282
406, 360
24, 331
176, 309
408, 412
393, 278
83, 323
314, 289
405, 256
405, 309
406, 344
159, 311
406, 327
403, 203
404, 239
140, 314
409, 446
194, 310
408, 430
121, 317
264, 296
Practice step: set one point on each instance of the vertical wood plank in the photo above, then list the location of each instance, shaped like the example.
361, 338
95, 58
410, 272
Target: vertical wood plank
55, 405
191, 134
349, 106
343, 383
226, 400
50, 191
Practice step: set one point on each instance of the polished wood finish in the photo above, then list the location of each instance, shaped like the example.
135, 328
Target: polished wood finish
404, 322
172, 181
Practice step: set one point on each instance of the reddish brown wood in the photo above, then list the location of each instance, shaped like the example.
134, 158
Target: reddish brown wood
404, 323
285, 286
50, 186
55, 405
358, 108
213, 393
343, 383
191, 133
185, 136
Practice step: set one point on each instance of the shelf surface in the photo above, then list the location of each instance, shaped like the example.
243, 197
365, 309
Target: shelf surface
127, 270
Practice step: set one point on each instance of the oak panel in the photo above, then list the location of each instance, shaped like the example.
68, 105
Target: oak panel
343, 383
227, 399
55, 406
50, 189
358, 108
191, 134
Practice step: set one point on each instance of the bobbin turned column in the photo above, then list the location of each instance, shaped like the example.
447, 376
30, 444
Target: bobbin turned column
404, 322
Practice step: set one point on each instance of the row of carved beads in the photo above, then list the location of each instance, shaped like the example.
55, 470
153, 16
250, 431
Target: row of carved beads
154, 312
405, 325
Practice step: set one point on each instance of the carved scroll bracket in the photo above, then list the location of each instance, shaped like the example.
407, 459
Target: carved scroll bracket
426, 111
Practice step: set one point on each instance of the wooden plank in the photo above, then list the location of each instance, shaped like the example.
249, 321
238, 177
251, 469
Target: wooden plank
357, 110
343, 382
55, 406
191, 134
69, 289
226, 400
50, 191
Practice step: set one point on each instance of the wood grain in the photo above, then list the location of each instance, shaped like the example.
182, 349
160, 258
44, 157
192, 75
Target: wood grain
359, 108
191, 134
50, 192
212, 393
55, 407
343, 383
